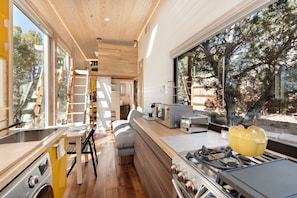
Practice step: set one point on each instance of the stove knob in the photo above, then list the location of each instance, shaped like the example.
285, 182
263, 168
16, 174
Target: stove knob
175, 168
191, 186
181, 176
33, 180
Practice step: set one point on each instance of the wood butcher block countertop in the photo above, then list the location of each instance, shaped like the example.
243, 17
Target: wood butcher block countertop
15, 157
155, 131
172, 141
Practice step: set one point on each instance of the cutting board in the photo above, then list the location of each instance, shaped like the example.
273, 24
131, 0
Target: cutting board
10, 154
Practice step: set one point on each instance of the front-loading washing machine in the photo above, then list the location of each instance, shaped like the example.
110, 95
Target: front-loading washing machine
33, 182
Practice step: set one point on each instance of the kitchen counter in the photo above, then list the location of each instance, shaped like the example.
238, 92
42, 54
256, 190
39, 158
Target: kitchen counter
15, 157
159, 144
195, 141
156, 131
156, 146
172, 141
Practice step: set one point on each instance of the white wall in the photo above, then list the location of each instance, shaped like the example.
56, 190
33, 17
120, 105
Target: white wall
103, 103
178, 26
115, 99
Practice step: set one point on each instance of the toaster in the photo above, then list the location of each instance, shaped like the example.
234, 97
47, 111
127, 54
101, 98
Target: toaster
194, 123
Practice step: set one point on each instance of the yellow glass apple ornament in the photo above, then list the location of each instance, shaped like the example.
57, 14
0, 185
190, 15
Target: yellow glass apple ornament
250, 141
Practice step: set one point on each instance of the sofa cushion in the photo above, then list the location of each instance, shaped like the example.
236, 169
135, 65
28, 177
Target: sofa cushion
124, 137
117, 124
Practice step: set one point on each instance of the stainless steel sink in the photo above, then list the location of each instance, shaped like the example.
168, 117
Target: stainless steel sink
27, 136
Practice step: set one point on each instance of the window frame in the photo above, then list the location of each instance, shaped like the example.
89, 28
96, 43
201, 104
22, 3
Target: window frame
50, 47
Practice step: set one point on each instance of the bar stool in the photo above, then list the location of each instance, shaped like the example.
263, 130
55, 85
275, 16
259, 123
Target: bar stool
88, 147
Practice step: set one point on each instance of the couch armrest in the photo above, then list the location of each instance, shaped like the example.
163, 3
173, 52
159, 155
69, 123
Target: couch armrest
124, 137
133, 114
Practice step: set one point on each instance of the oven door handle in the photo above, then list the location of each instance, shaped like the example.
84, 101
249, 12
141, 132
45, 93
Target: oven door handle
177, 190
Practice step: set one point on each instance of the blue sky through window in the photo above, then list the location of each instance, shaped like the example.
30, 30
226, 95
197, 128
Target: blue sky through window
19, 19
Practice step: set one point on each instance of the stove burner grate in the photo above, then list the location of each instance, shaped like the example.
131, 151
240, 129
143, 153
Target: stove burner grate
224, 158
221, 158
214, 163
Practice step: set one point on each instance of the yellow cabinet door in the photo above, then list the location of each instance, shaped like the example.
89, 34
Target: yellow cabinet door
4, 28
59, 167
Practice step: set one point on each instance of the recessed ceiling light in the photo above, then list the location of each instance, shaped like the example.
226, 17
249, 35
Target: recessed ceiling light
107, 19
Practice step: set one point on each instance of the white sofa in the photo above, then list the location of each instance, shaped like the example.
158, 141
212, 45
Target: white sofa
124, 133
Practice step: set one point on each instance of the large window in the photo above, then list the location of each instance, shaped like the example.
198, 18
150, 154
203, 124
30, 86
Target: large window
28, 70
246, 74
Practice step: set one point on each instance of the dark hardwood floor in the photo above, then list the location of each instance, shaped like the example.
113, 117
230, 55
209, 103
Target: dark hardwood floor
113, 180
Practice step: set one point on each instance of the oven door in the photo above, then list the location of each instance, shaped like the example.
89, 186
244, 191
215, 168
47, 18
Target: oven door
181, 192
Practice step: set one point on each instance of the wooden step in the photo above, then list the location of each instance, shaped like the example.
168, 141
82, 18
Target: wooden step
83, 85
79, 94
75, 113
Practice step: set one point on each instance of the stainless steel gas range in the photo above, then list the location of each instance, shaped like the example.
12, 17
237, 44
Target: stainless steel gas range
221, 172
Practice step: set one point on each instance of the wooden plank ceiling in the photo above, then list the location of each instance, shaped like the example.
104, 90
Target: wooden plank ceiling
118, 22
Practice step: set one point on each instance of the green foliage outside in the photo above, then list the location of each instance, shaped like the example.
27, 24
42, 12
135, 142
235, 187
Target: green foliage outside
28, 56
27, 69
252, 64
62, 79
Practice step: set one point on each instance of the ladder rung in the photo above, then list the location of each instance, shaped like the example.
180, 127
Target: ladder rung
75, 113
79, 85
78, 94
78, 89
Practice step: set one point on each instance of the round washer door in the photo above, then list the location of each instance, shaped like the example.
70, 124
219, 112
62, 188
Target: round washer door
45, 191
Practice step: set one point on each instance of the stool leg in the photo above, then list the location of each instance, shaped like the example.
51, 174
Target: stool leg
93, 160
94, 145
